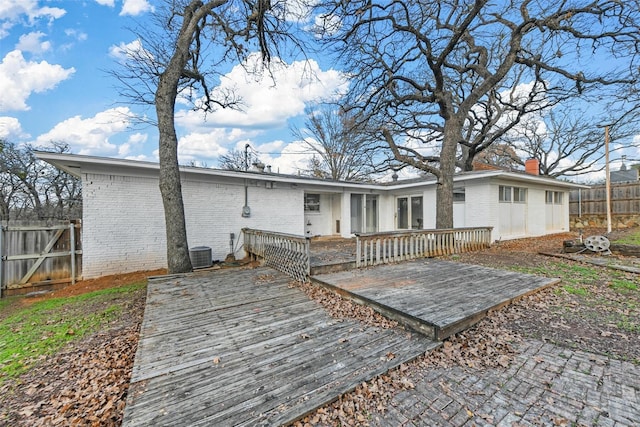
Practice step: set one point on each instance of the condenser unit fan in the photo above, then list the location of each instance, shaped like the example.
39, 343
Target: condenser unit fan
200, 257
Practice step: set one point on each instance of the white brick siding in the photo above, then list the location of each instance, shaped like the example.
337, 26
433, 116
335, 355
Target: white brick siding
123, 225
123, 219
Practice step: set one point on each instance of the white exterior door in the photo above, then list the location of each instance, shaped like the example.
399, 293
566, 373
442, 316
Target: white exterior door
364, 213
409, 213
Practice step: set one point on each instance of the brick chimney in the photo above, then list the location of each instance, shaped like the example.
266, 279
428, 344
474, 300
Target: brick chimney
532, 166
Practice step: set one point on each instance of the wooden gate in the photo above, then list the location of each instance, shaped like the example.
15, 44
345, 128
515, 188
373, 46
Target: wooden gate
39, 256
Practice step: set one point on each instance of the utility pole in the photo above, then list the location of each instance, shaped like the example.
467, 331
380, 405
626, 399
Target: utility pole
246, 157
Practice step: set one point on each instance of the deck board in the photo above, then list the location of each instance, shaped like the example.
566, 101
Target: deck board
241, 347
447, 295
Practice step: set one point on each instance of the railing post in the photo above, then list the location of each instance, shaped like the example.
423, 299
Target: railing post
72, 251
308, 252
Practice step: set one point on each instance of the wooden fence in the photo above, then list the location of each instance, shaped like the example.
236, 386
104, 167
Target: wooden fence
625, 200
39, 255
288, 253
382, 248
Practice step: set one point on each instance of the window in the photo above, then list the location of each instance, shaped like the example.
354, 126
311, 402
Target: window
512, 194
409, 213
312, 202
557, 197
548, 197
553, 197
519, 195
458, 194
504, 193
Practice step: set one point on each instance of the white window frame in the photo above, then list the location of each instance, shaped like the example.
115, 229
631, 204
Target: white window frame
548, 197
521, 193
459, 195
505, 194
312, 206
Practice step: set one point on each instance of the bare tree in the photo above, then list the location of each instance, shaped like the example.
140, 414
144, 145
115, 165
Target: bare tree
238, 160
420, 70
501, 155
196, 38
31, 188
341, 145
566, 142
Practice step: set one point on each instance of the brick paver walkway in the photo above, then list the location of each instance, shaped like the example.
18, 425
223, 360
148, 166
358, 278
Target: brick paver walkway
546, 385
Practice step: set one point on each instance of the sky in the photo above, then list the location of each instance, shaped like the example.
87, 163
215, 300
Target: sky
55, 84
55, 63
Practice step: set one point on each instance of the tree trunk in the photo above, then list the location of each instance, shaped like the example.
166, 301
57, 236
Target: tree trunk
444, 187
178, 260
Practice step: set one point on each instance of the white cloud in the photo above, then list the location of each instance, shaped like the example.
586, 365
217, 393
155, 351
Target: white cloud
268, 97
326, 25
207, 147
292, 159
132, 52
109, 3
76, 34
134, 141
20, 78
14, 11
10, 128
31, 43
90, 136
135, 7
125, 51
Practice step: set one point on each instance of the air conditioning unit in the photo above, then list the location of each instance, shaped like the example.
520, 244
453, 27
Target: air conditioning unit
200, 257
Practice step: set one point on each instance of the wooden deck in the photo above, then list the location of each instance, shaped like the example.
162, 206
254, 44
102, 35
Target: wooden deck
241, 347
435, 297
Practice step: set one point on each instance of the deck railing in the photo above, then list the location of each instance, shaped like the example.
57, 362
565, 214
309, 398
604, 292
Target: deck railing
288, 253
383, 248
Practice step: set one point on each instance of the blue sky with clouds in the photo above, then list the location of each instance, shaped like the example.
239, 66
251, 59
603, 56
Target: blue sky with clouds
55, 58
54, 62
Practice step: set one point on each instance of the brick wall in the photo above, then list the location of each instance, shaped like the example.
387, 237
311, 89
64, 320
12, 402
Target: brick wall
123, 219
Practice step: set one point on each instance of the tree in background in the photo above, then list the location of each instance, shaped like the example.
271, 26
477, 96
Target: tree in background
238, 160
567, 142
33, 189
194, 39
500, 155
341, 145
420, 70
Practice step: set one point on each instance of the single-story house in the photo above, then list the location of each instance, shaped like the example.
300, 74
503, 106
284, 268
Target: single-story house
123, 217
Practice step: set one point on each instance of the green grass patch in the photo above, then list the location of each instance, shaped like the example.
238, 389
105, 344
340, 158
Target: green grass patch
623, 285
571, 274
629, 325
576, 290
44, 327
630, 239
5, 302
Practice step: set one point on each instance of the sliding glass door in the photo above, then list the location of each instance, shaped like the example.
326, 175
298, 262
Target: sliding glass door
364, 213
409, 213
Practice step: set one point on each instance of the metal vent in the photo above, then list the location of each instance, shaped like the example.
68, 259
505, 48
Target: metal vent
200, 257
